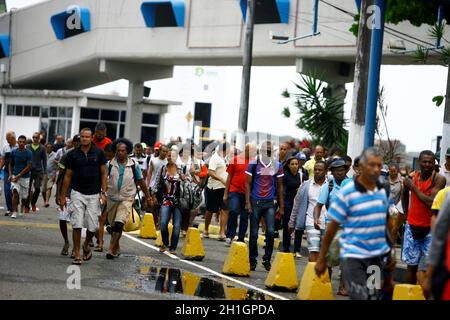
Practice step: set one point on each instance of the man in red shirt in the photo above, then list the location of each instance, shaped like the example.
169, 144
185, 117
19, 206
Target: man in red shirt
423, 186
234, 195
100, 139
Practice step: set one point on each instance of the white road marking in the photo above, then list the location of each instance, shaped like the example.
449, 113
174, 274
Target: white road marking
207, 269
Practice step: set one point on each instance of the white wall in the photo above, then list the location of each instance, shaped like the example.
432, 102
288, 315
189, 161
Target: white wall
22, 125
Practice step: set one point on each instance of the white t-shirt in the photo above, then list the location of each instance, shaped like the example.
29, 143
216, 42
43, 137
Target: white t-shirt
142, 160
217, 164
157, 165
446, 174
313, 196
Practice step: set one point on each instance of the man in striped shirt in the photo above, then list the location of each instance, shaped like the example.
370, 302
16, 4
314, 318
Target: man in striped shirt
361, 208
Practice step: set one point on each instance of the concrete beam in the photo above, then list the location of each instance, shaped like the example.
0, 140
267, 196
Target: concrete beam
330, 71
135, 71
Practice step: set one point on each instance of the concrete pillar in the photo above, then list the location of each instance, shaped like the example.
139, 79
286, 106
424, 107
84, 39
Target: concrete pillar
358, 113
445, 142
134, 111
3, 119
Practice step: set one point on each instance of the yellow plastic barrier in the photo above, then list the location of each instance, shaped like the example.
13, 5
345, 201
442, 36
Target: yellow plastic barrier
408, 292
193, 246
314, 288
148, 229
158, 241
237, 261
130, 225
283, 274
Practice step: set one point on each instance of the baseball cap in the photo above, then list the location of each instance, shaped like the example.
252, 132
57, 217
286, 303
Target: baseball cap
76, 138
301, 156
144, 145
157, 145
337, 163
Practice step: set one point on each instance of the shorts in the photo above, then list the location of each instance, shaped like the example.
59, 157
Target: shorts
119, 211
36, 179
214, 200
415, 252
22, 186
314, 238
48, 183
332, 257
66, 214
85, 211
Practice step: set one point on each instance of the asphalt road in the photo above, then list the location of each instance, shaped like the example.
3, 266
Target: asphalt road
31, 267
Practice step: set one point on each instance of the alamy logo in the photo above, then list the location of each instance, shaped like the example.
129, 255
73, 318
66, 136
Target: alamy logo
74, 280
73, 22
374, 279
374, 20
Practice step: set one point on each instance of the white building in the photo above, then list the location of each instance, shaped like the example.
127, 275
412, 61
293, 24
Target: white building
66, 112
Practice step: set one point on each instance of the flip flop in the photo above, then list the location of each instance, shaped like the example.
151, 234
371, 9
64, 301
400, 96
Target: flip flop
87, 255
72, 255
342, 293
110, 256
65, 251
98, 249
76, 261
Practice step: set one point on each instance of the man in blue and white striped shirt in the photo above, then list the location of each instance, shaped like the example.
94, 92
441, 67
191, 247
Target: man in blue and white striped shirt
361, 208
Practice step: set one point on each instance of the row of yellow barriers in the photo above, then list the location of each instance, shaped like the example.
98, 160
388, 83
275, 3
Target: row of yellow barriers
283, 274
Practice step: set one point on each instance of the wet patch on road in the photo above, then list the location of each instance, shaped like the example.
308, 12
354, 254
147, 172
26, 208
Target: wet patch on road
156, 276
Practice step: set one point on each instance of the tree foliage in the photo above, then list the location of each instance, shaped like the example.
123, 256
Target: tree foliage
321, 116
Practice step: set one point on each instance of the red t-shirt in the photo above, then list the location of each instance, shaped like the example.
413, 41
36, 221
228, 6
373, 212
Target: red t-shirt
419, 214
101, 144
236, 170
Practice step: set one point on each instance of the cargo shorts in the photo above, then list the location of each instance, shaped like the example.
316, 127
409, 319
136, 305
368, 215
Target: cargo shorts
85, 211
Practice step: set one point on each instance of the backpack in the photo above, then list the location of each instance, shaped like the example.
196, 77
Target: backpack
133, 168
330, 188
186, 194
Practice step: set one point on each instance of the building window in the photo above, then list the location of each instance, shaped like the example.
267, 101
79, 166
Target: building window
149, 131
56, 121
113, 119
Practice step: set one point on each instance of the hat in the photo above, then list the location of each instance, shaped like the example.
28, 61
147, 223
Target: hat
337, 163
300, 156
157, 145
76, 138
385, 168
144, 145
447, 154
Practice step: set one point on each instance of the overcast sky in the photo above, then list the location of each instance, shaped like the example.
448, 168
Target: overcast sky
412, 116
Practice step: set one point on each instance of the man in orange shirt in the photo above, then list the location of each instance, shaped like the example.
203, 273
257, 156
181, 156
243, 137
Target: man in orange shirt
100, 139
423, 186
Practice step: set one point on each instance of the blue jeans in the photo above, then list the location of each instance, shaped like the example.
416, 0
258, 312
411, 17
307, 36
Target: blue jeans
265, 209
236, 205
7, 190
286, 236
166, 212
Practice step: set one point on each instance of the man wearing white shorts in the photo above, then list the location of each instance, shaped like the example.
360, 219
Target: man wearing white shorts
19, 174
302, 216
86, 175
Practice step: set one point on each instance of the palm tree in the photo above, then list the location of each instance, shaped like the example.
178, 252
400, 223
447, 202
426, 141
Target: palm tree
321, 115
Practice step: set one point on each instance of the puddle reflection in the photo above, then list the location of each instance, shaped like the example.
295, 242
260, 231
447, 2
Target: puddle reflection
156, 278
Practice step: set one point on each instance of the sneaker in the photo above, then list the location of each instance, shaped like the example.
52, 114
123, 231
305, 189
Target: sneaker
21, 214
14, 215
228, 242
253, 266
34, 209
7, 213
267, 265
298, 255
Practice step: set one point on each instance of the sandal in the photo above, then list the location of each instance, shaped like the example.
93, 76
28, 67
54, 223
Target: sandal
72, 255
76, 261
205, 235
98, 248
87, 255
65, 250
222, 238
110, 256
342, 292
